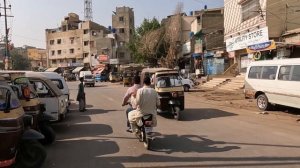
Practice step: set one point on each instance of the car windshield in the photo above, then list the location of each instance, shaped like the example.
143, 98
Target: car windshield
168, 81
58, 83
13, 101
88, 77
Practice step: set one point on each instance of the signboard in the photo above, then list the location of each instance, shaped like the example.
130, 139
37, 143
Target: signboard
103, 58
198, 46
186, 48
269, 45
114, 61
243, 41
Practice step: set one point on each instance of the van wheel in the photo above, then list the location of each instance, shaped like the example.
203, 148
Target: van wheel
31, 154
49, 134
186, 88
263, 103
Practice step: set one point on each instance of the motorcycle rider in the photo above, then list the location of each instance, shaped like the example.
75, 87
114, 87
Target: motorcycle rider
130, 94
146, 102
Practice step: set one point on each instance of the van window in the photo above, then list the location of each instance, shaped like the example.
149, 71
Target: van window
296, 73
255, 72
88, 77
42, 90
58, 83
269, 72
284, 73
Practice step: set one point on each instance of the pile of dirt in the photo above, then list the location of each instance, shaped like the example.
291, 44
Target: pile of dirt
227, 98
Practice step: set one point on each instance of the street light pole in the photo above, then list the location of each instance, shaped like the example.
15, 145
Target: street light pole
7, 54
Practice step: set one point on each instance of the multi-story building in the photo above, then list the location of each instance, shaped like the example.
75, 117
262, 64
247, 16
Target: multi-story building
77, 43
37, 58
123, 26
208, 46
251, 24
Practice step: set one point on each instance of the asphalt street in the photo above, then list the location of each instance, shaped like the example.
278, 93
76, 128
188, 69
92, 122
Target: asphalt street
208, 135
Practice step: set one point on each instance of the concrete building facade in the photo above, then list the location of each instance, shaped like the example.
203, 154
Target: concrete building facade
123, 27
37, 58
77, 43
254, 22
208, 46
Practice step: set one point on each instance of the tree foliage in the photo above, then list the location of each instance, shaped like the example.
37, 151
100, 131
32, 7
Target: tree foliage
136, 45
19, 62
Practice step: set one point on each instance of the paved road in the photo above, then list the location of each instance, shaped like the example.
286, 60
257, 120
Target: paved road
208, 136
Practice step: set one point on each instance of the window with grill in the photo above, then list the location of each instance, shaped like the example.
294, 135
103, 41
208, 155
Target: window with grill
58, 52
122, 30
51, 42
58, 41
250, 9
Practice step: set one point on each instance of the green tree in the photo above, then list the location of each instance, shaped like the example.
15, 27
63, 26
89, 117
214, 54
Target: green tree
140, 52
19, 62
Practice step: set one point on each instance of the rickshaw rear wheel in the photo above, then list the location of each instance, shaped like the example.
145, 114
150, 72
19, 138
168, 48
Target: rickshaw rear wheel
31, 154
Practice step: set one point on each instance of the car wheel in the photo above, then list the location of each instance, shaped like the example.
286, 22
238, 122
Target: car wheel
262, 102
186, 88
49, 134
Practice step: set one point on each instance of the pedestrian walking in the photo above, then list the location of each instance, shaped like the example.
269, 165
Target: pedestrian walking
81, 96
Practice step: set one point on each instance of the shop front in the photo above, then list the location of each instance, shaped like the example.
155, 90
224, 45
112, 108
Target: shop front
248, 47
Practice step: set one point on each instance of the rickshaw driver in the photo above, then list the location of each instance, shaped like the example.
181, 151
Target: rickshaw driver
147, 101
130, 94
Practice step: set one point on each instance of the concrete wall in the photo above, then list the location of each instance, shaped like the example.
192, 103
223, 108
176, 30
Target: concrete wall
233, 23
282, 15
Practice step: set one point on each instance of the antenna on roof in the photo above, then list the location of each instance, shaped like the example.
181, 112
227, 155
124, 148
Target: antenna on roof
88, 10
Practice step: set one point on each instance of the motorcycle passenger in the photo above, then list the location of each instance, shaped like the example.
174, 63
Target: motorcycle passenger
147, 101
130, 94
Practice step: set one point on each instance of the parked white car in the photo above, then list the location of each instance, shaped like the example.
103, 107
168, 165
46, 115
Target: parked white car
187, 84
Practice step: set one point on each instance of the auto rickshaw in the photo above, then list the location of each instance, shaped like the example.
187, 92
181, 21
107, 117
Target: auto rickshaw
169, 88
114, 77
31, 104
127, 78
19, 144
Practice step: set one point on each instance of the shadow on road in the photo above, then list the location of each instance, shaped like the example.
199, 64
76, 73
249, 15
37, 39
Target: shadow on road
206, 161
66, 131
81, 153
188, 143
199, 114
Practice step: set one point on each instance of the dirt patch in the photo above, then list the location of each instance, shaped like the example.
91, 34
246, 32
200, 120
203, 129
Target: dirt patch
232, 99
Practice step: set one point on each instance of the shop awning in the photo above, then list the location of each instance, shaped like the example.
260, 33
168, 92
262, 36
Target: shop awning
51, 69
76, 70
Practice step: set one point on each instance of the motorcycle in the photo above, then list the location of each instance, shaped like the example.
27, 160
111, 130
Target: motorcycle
144, 132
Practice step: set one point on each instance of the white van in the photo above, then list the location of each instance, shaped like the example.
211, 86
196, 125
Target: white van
60, 82
83, 73
274, 82
56, 102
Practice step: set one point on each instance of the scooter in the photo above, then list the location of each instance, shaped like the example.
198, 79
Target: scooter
144, 132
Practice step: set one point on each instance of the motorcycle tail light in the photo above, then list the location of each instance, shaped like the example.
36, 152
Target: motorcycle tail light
148, 123
174, 94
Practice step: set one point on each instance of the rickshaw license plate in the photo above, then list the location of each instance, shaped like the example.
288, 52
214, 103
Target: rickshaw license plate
148, 129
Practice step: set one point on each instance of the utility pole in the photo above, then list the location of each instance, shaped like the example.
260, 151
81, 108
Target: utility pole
7, 54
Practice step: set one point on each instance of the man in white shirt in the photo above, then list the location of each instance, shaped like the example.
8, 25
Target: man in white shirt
147, 101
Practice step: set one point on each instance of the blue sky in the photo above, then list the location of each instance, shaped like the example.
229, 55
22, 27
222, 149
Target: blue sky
32, 17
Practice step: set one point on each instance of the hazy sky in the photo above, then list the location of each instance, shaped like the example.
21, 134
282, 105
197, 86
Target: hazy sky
32, 17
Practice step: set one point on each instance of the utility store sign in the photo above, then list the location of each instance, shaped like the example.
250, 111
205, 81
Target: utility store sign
245, 40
